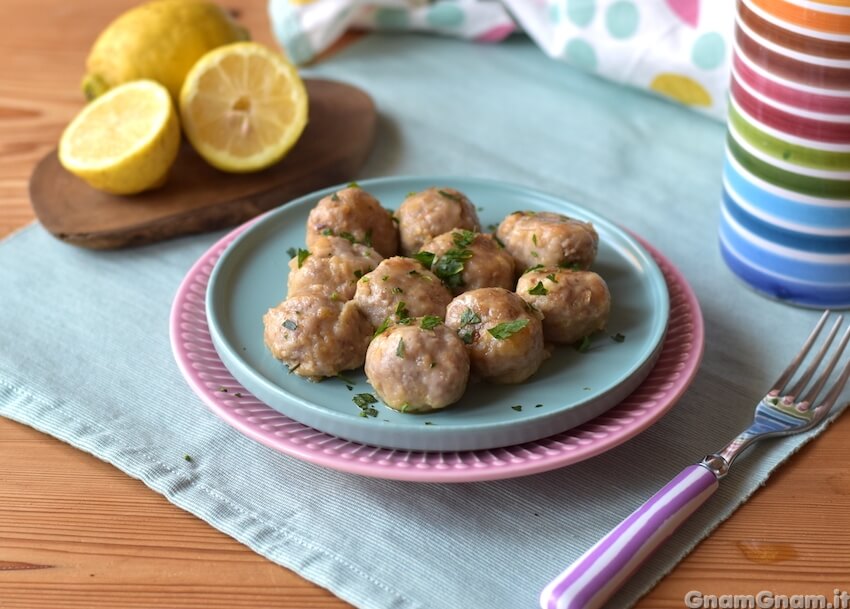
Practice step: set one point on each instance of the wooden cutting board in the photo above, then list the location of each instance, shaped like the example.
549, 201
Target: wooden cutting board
197, 197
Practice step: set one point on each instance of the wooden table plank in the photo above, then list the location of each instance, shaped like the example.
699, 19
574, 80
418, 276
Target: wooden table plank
76, 532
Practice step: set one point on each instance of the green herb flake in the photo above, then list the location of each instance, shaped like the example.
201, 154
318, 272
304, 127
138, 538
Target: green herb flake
467, 337
334, 197
348, 237
364, 402
399, 350
570, 266
385, 277
536, 267
463, 238
290, 325
584, 345
397, 290
449, 266
401, 310
353, 185
382, 328
586, 388
429, 422
499, 241
349, 387
551, 277
394, 219
346, 380
187, 458
536, 255
538, 290
618, 338
507, 329
450, 195
429, 322
292, 252
367, 240
534, 239
302, 256
328, 232
335, 296
518, 407
424, 258
358, 274
538, 405
469, 317
293, 368
774, 401
412, 193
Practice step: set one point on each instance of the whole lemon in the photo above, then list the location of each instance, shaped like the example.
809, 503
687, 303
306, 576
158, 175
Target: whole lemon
160, 40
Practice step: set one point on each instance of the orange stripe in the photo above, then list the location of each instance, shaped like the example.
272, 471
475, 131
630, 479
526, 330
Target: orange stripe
808, 18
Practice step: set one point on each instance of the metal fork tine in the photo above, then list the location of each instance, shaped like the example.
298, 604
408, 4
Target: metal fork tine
832, 396
795, 363
812, 395
798, 387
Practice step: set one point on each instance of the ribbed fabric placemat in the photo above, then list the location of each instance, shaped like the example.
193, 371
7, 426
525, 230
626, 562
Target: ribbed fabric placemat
84, 349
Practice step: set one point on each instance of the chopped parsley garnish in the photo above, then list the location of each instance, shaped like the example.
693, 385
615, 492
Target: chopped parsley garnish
346, 380
429, 423
451, 195
538, 290
551, 277
466, 336
534, 239
584, 345
293, 368
538, 405
536, 267
399, 350
449, 266
358, 274
334, 197
292, 252
570, 266
382, 328
367, 239
364, 402
401, 310
469, 317
618, 338
774, 401
188, 458
426, 259
499, 241
397, 290
394, 219
353, 185
290, 325
507, 329
328, 232
463, 238
535, 254
411, 193
335, 296
385, 277
302, 256
518, 407
429, 322
348, 236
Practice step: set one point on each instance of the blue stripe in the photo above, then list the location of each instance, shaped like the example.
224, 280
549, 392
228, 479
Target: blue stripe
791, 268
805, 214
818, 244
820, 297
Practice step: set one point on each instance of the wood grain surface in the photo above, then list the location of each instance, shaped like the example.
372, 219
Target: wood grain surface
77, 533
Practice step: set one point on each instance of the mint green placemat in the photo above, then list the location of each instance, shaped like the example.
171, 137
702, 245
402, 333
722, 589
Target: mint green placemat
84, 349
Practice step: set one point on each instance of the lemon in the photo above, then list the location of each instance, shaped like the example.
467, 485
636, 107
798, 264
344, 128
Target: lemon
125, 141
243, 107
159, 40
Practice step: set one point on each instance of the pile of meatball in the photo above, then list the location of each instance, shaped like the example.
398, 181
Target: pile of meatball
425, 299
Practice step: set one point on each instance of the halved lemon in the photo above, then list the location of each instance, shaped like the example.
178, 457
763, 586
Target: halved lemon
243, 107
125, 141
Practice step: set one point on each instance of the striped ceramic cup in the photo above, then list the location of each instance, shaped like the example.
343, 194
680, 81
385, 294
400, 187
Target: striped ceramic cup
785, 214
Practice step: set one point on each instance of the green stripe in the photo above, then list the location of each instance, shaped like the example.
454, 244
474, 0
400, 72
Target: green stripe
786, 151
807, 185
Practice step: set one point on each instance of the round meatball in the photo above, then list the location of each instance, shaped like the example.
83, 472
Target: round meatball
400, 288
332, 268
502, 333
574, 304
434, 211
317, 337
418, 369
355, 214
474, 260
548, 239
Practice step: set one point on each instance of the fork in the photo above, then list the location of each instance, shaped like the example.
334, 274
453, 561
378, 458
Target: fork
592, 579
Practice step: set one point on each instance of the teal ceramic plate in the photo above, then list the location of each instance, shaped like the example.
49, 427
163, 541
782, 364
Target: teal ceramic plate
568, 390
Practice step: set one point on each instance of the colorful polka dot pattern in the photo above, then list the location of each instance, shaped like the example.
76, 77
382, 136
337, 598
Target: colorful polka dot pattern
785, 212
677, 48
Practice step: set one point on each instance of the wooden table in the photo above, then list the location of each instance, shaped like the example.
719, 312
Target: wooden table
76, 532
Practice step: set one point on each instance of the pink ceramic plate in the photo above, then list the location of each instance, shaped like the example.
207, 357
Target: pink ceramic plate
198, 361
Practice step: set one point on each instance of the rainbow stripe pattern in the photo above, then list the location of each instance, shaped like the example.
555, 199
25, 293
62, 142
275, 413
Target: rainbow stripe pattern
785, 210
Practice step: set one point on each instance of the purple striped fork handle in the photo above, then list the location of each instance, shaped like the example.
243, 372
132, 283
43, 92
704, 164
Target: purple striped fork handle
591, 580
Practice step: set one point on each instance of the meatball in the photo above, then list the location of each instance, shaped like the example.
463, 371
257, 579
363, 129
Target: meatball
548, 239
574, 304
333, 267
502, 333
424, 215
467, 261
317, 337
355, 214
418, 367
400, 288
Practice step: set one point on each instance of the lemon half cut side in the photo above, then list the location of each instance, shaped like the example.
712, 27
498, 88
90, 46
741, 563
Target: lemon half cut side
125, 141
243, 107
